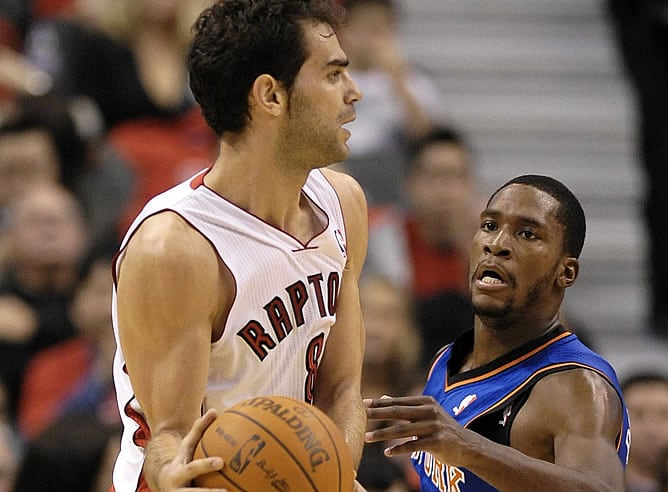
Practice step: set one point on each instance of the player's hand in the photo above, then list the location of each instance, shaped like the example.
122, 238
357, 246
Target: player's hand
417, 423
388, 57
182, 470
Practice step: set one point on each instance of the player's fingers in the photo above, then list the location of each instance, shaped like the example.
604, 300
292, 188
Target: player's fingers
197, 430
406, 447
403, 431
397, 431
412, 413
368, 401
195, 434
388, 401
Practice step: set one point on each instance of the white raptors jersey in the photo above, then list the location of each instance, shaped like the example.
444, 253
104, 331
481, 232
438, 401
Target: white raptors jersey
284, 306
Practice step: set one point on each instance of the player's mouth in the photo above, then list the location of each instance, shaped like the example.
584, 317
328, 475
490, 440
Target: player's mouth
346, 130
348, 118
490, 277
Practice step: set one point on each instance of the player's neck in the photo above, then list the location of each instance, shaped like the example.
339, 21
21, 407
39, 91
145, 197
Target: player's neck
492, 341
255, 182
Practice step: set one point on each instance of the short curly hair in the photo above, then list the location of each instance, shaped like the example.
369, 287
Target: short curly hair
235, 41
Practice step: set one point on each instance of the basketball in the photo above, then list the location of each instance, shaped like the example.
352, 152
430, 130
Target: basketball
276, 443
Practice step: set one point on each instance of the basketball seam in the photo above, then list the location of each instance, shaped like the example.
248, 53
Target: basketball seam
336, 449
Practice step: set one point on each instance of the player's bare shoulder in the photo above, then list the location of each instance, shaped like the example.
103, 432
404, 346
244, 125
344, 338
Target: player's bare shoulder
576, 402
170, 264
166, 254
167, 240
355, 215
587, 403
349, 191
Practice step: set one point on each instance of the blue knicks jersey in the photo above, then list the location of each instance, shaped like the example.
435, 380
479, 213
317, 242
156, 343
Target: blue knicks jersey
486, 399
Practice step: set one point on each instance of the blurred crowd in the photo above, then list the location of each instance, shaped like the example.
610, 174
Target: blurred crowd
96, 117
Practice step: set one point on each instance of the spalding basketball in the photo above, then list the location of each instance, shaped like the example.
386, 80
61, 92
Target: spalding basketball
276, 443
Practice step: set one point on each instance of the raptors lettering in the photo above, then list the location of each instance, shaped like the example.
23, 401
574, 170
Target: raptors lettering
281, 313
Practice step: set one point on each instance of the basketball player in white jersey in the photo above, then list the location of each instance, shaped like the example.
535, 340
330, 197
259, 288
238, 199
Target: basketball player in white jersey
242, 281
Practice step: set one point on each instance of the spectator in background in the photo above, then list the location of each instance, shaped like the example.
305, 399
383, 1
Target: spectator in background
47, 241
51, 138
128, 57
663, 475
392, 355
14, 16
642, 36
75, 376
10, 457
426, 247
391, 367
27, 158
74, 454
400, 101
5, 417
646, 396
162, 152
163, 147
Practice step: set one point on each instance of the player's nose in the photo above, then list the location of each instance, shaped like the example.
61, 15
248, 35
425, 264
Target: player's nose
497, 244
353, 93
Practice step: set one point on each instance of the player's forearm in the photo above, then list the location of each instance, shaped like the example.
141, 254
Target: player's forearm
506, 468
353, 423
417, 122
160, 451
349, 414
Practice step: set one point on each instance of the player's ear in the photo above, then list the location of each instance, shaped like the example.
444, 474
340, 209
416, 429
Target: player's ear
268, 95
569, 272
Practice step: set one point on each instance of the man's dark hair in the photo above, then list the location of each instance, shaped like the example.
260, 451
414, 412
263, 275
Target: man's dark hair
235, 41
438, 135
644, 377
56, 116
569, 214
391, 5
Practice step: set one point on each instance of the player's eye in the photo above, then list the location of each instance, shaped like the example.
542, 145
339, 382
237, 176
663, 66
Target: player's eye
527, 234
334, 76
488, 225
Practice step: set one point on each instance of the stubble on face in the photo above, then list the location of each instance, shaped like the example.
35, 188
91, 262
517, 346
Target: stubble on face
306, 139
509, 313
310, 133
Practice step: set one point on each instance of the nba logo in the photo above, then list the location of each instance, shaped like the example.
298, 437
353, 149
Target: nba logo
250, 449
340, 242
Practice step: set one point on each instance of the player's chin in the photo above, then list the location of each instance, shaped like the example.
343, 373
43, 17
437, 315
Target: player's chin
488, 307
342, 152
344, 135
486, 300
345, 153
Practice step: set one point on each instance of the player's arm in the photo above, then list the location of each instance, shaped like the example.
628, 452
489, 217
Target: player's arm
338, 390
575, 413
167, 294
389, 59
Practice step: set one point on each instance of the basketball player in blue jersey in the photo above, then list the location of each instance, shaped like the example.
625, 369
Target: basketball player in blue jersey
518, 403
243, 280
